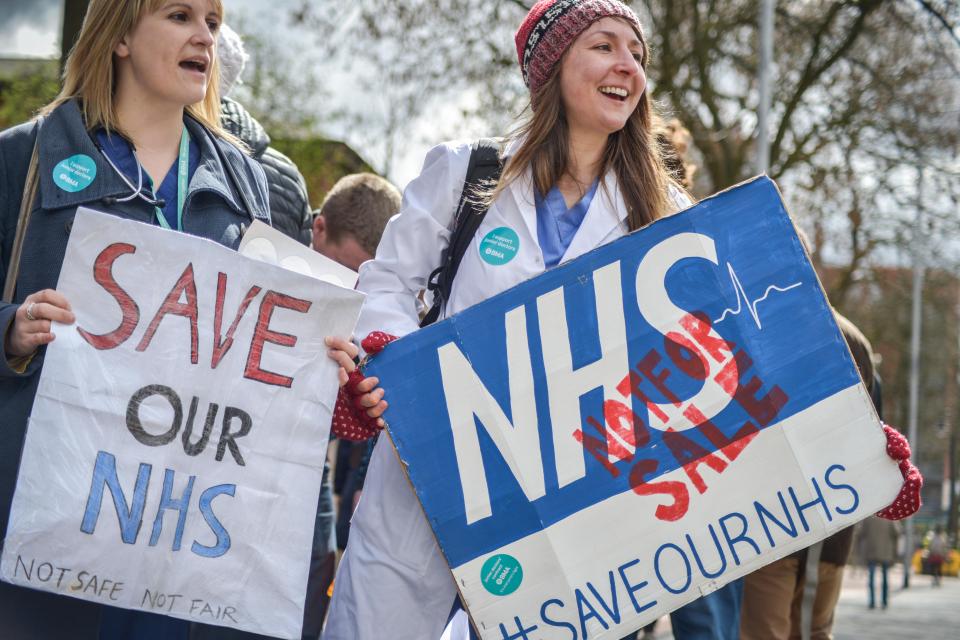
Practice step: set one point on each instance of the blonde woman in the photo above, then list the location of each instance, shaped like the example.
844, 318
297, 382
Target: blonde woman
134, 132
582, 171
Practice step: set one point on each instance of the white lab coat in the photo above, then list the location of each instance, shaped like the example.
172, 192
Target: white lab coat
393, 581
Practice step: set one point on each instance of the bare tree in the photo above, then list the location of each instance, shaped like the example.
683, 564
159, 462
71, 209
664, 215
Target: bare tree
414, 57
853, 76
867, 93
279, 87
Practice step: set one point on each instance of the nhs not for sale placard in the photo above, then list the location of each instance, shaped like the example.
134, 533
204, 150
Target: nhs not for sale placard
600, 445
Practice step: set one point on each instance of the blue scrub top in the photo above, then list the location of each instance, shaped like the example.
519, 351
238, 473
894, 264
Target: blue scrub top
120, 151
556, 224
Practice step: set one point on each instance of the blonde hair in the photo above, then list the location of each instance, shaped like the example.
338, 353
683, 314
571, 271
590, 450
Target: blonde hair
632, 153
89, 74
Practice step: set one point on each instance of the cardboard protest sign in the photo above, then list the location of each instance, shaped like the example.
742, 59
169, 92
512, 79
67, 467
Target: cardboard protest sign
174, 454
264, 243
636, 428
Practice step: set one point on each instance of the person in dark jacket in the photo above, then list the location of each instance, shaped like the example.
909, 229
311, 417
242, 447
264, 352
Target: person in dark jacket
135, 132
348, 226
289, 204
139, 109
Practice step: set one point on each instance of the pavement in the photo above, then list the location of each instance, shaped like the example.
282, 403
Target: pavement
922, 612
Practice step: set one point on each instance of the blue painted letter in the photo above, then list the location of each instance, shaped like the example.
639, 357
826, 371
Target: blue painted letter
223, 537
105, 473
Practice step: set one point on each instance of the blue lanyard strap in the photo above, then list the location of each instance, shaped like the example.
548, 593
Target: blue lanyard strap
183, 169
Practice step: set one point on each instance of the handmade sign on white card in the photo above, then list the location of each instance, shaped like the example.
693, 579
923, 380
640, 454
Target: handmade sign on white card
173, 457
264, 243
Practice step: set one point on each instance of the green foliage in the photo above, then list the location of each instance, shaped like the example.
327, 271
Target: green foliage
22, 96
322, 162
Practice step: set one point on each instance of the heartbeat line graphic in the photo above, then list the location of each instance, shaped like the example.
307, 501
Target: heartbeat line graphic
742, 298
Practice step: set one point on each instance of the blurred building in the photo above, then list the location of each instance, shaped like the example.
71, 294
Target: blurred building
18, 67
322, 162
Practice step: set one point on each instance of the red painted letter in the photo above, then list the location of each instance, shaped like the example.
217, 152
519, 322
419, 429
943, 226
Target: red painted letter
622, 421
103, 275
764, 409
171, 304
698, 326
691, 455
595, 447
262, 333
677, 347
659, 380
631, 384
677, 490
731, 447
220, 348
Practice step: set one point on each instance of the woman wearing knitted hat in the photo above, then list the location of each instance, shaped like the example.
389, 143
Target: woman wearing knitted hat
582, 170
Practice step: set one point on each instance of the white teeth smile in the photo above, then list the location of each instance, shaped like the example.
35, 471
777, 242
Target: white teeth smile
615, 91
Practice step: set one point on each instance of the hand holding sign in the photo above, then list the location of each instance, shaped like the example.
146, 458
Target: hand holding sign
360, 404
32, 322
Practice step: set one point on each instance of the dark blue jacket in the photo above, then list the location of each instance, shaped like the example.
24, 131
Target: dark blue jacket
289, 205
218, 207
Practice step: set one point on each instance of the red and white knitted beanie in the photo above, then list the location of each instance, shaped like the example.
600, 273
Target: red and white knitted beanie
552, 25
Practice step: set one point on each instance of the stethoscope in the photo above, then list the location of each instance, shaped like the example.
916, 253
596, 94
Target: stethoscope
137, 191
183, 177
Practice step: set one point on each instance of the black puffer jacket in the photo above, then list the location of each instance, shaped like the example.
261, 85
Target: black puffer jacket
289, 206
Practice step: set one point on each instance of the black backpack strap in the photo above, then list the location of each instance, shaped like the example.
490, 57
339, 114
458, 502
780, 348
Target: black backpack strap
483, 171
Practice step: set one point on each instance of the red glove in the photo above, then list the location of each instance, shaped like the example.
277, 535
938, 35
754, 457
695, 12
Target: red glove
350, 418
376, 341
908, 500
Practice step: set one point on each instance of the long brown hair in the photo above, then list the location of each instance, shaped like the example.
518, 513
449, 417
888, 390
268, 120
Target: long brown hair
632, 153
89, 73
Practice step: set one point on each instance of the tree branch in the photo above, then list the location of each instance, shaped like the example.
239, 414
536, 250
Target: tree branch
942, 19
812, 71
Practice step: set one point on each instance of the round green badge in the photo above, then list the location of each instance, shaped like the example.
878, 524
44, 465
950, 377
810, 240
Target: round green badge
501, 574
75, 173
500, 246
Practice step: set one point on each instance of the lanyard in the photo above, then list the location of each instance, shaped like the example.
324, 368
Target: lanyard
183, 168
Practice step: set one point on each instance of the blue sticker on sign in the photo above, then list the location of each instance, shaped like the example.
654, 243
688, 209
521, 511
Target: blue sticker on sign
500, 246
501, 574
75, 173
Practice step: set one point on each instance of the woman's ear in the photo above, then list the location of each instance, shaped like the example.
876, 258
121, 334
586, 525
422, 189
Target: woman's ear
122, 50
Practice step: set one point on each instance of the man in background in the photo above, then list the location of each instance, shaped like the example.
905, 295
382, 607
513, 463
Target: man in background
349, 223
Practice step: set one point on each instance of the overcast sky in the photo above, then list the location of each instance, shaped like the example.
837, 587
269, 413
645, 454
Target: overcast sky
32, 28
